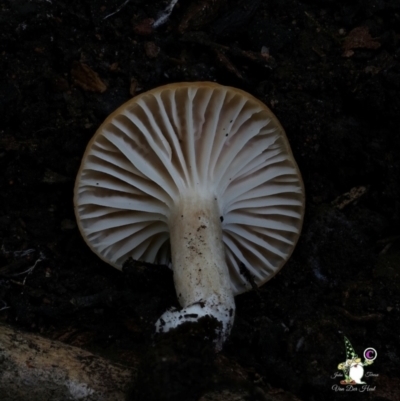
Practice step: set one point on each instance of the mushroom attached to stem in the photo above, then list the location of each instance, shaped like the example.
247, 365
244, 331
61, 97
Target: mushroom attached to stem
200, 175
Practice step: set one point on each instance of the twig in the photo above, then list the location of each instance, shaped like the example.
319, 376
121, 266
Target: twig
389, 239
164, 15
117, 10
6, 270
29, 270
5, 306
233, 50
363, 318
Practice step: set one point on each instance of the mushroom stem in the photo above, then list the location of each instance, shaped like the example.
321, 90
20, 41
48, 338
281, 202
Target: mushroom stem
201, 274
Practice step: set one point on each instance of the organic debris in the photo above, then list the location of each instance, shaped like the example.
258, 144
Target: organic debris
359, 38
87, 79
144, 27
199, 13
349, 197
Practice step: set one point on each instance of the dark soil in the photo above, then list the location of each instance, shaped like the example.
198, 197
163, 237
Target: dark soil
337, 93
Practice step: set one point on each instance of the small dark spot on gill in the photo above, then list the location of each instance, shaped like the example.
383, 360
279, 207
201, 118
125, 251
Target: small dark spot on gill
226, 134
221, 218
230, 121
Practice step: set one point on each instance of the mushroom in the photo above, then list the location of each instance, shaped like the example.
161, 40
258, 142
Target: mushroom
200, 175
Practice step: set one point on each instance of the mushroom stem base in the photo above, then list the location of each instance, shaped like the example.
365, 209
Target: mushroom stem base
201, 275
172, 318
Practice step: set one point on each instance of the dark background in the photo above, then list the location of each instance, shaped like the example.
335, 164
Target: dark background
335, 90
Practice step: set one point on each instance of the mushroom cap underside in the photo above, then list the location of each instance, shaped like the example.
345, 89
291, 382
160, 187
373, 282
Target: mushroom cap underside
200, 136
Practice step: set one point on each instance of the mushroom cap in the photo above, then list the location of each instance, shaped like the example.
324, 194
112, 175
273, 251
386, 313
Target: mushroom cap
196, 135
